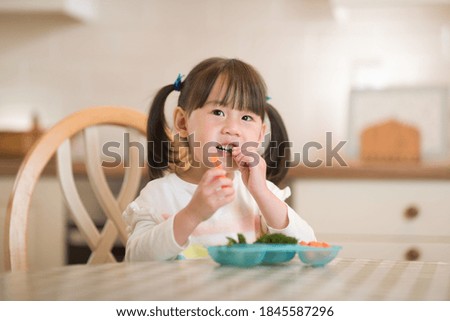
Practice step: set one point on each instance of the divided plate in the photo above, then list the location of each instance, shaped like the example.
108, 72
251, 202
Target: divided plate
247, 255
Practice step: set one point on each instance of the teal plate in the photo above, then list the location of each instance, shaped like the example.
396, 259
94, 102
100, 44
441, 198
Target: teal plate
248, 255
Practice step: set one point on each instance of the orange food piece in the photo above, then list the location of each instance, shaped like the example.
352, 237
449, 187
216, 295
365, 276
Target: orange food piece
314, 244
325, 244
214, 160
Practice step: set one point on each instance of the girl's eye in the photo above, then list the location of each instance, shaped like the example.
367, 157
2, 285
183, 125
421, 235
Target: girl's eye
218, 112
247, 118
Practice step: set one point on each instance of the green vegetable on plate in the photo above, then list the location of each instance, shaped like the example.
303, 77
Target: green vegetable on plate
241, 240
276, 238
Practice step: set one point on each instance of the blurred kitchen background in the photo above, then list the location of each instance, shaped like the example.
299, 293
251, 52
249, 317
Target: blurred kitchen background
338, 66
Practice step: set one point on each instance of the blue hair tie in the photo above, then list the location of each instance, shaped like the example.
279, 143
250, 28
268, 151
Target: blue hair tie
268, 98
177, 83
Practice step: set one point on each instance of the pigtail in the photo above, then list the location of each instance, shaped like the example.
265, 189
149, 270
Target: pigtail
277, 153
158, 138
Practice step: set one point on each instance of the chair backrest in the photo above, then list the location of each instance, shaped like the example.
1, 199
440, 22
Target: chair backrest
57, 140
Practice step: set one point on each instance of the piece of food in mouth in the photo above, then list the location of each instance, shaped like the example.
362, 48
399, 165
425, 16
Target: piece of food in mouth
226, 148
314, 244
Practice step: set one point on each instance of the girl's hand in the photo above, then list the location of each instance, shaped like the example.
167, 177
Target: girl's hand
214, 191
252, 167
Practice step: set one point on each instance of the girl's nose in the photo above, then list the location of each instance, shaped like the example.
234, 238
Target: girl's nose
231, 128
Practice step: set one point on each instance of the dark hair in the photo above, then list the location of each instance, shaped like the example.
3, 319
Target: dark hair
245, 89
277, 153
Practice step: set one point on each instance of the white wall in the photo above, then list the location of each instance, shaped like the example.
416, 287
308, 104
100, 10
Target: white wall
56, 65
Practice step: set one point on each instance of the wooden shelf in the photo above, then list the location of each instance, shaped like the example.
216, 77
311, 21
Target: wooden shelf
353, 171
373, 171
10, 167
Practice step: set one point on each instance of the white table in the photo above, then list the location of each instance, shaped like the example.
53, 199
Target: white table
342, 279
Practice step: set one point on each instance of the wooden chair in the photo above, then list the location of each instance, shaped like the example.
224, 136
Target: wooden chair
57, 139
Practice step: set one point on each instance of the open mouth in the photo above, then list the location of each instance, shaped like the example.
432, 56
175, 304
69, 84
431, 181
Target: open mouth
226, 148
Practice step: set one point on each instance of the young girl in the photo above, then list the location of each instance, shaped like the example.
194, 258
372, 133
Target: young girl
207, 178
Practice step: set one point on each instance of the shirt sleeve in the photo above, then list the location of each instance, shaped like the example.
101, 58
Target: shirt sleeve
297, 226
150, 235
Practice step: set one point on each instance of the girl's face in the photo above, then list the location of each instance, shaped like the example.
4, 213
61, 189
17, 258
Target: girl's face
214, 129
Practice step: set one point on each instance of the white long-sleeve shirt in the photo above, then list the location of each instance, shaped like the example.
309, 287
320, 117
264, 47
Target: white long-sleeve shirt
150, 219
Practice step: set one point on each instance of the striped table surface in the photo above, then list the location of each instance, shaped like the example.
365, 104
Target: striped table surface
342, 279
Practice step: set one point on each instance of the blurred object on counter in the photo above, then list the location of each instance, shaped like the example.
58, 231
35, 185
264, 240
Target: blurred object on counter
390, 141
16, 144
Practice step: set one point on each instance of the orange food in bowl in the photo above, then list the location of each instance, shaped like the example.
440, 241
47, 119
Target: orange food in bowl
314, 244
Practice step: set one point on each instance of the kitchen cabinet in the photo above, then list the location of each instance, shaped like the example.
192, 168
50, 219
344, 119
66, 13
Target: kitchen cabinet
398, 219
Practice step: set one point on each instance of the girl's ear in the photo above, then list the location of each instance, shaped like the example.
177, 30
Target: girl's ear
180, 122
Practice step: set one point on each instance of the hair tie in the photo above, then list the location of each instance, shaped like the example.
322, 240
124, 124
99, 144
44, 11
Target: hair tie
177, 83
268, 98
